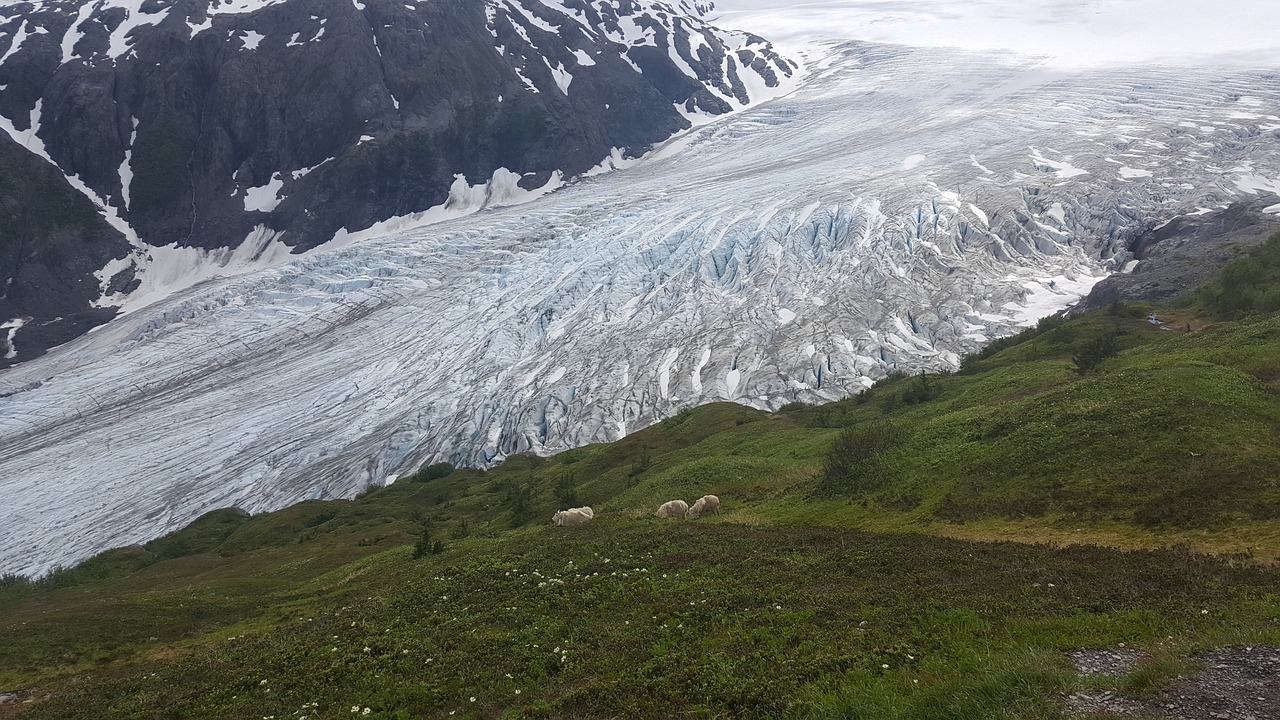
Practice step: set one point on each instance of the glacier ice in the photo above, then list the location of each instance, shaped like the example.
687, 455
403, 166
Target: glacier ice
899, 209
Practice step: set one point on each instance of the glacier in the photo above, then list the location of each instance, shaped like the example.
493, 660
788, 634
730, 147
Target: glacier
900, 208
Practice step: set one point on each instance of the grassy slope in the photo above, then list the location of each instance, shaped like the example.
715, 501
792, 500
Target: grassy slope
756, 613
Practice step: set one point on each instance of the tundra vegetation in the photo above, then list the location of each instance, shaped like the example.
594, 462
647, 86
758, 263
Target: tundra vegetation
932, 548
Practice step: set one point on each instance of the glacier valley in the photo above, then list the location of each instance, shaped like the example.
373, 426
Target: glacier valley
899, 209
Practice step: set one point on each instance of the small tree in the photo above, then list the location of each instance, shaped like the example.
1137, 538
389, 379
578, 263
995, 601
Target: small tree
566, 491
1094, 351
641, 465
425, 545
520, 497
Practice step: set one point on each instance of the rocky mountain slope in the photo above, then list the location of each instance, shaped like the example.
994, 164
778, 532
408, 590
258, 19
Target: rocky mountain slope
216, 135
1184, 253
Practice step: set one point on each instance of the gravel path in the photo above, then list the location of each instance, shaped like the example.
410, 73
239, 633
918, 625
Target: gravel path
1236, 683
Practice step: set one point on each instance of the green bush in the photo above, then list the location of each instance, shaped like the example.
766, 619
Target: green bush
566, 491
1248, 286
921, 390
425, 545
433, 472
851, 467
1094, 351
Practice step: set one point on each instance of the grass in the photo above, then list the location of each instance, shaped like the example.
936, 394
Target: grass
925, 550
627, 618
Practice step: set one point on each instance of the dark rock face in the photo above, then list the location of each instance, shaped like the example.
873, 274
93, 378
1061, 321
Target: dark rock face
1186, 253
52, 241
194, 122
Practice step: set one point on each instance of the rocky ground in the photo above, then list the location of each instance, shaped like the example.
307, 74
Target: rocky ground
1186, 253
1239, 682
12, 699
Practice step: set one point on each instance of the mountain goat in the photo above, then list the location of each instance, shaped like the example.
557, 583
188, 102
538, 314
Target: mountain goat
706, 505
573, 517
673, 509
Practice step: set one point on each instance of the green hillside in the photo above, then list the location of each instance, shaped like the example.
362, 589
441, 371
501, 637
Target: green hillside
862, 566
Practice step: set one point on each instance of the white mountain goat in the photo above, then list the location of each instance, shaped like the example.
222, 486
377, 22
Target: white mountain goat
673, 509
573, 517
706, 505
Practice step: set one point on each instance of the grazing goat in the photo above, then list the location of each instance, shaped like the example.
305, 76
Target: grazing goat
673, 509
706, 505
573, 517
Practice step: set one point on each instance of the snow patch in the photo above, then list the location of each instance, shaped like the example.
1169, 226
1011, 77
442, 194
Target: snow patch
1046, 296
561, 76
236, 7
556, 375
731, 381
501, 190
664, 372
1057, 212
1254, 184
126, 166
134, 18
169, 269
251, 39
18, 39
1129, 173
1061, 169
615, 161
696, 377
13, 326
74, 33
264, 198
197, 29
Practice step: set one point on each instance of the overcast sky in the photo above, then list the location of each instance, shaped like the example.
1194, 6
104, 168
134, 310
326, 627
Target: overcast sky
1069, 32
